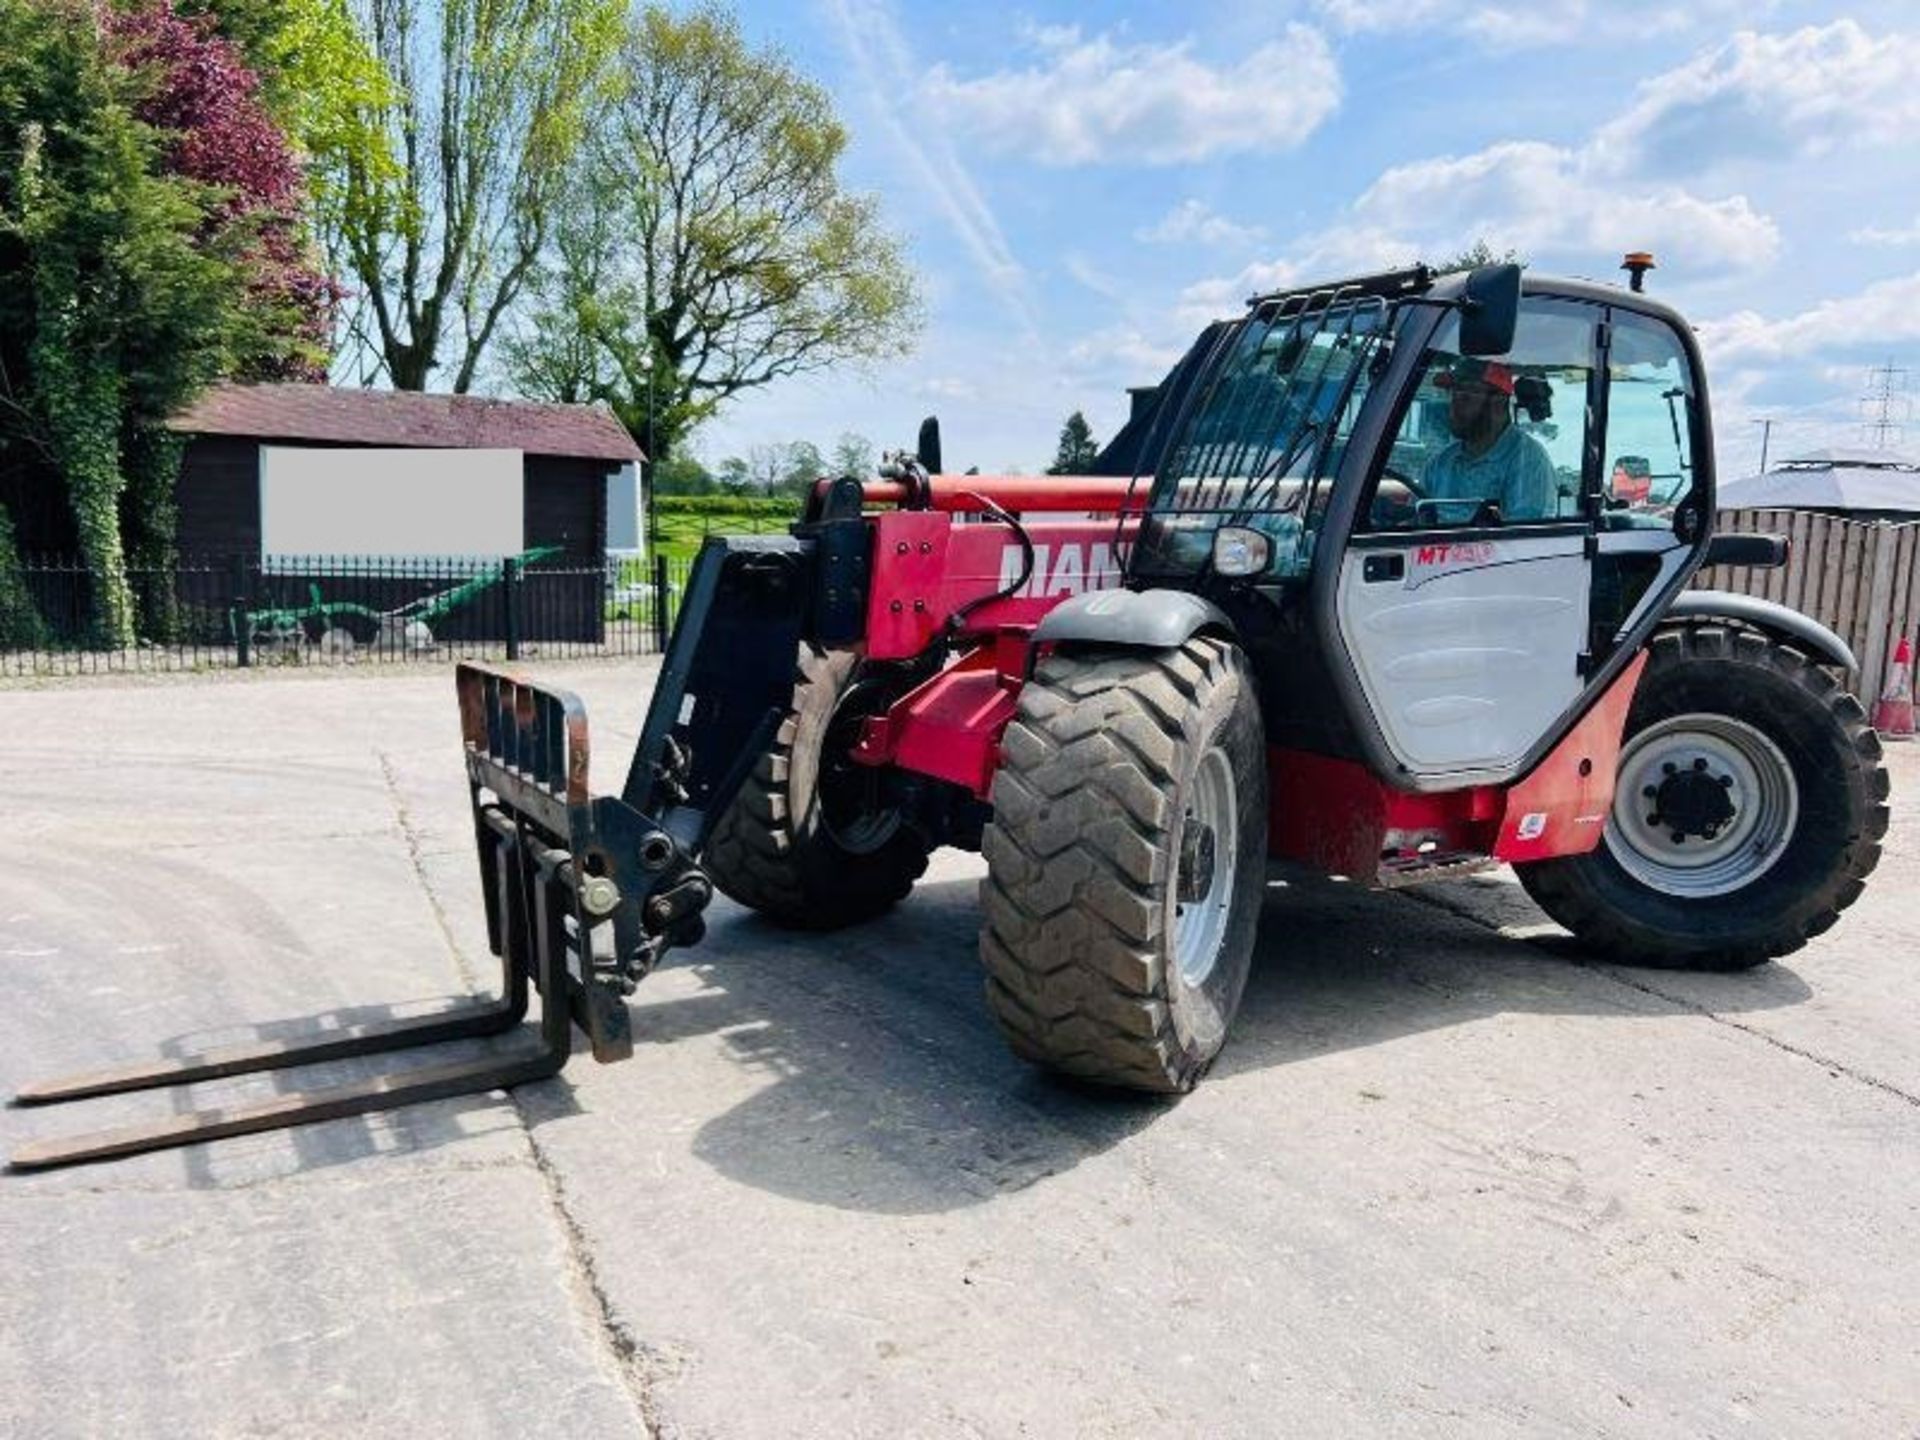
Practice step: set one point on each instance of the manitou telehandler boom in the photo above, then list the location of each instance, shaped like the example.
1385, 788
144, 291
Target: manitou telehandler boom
1394, 585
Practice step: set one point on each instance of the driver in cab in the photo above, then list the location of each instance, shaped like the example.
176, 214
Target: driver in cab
1489, 459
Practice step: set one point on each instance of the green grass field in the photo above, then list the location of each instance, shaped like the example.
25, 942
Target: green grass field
681, 522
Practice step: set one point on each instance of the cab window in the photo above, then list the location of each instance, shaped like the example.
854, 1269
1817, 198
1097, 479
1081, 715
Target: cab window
1495, 441
1650, 403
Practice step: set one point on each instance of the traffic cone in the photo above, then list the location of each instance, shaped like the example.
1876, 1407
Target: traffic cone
1893, 712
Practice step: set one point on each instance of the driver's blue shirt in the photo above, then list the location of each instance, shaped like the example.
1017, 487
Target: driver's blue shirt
1515, 473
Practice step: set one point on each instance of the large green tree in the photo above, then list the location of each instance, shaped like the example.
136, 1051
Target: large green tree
482, 108
320, 77
853, 455
144, 251
711, 247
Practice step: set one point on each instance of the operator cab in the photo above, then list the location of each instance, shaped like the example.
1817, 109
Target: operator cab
1440, 510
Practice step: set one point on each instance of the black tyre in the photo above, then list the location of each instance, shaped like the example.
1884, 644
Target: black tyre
813, 840
1749, 811
1126, 863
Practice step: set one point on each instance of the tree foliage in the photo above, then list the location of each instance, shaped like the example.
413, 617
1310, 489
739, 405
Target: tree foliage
1077, 450
711, 247
1480, 252
482, 111
853, 455
682, 474
204, 102
137, 259
320, 78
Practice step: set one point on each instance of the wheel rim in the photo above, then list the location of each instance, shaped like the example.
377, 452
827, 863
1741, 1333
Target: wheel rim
858, 807
1704, 805
1203, 882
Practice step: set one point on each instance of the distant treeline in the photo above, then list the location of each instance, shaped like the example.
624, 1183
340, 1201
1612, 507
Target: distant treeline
779, 506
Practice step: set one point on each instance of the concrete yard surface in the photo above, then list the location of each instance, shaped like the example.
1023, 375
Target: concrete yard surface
1447, 1180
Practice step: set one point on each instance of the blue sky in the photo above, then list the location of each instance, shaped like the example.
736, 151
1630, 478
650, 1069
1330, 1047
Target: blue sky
1084, 186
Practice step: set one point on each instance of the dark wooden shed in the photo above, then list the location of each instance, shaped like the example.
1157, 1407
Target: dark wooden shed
567, 454
569, 451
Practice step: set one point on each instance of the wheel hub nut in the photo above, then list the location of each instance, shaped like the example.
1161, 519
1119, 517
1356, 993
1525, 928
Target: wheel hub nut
1692, 801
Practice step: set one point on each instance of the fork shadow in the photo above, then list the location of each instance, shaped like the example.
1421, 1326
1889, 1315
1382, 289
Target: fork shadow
241, 1160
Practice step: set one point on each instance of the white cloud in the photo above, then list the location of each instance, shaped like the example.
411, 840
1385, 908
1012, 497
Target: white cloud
1083, 270
1799, 95
1222, 295
949, 387
1874, 235
1194, 222
1101, 100
1885, 313
1538, 199
1122, 351
1802, 93
886, 68
1342, 250
1518, 24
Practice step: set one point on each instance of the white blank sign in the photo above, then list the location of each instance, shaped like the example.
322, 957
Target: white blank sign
390, 502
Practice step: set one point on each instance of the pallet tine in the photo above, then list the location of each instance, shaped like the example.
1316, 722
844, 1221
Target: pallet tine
538, 844
462, 1022
381, 1092
465, 1022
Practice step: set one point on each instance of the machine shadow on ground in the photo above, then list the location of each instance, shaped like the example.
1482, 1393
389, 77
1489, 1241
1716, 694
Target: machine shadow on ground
893, 1092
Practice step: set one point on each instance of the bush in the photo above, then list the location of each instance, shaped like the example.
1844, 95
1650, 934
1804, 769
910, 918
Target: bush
776, 507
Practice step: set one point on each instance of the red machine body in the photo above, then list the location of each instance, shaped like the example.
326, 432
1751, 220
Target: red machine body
940, 573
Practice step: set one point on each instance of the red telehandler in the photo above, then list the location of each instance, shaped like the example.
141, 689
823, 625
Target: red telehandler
1365, 596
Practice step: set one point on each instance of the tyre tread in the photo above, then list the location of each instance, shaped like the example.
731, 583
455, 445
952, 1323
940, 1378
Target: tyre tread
1082, 839
1560, 887
756, 856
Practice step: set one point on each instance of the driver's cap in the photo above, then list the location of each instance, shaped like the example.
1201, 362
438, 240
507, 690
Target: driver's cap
1484, 374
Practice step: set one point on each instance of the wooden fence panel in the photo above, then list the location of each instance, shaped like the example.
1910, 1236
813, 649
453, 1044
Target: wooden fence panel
1800, 541
1881, 568
1859, 578
1852, 561
1832, 558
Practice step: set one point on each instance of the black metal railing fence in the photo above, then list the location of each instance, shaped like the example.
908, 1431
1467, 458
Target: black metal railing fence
220, 611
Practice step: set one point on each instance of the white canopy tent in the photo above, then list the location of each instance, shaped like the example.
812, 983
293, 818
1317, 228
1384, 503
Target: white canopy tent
1881, 481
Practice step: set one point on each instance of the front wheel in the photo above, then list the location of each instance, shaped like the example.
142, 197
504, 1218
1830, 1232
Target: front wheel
1125, 862
1748, 811
814, 840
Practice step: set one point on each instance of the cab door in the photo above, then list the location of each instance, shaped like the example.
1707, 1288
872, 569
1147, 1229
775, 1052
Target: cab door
1465, 589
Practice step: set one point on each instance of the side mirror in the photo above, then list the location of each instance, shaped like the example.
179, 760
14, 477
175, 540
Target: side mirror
1490, 310
929, 447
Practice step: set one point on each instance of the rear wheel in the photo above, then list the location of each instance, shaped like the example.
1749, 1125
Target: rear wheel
814, 840
336, 644
1125, 863
1748, 812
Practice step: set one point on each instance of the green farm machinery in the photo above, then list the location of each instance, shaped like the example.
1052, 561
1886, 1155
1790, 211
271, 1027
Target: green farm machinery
339, 628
